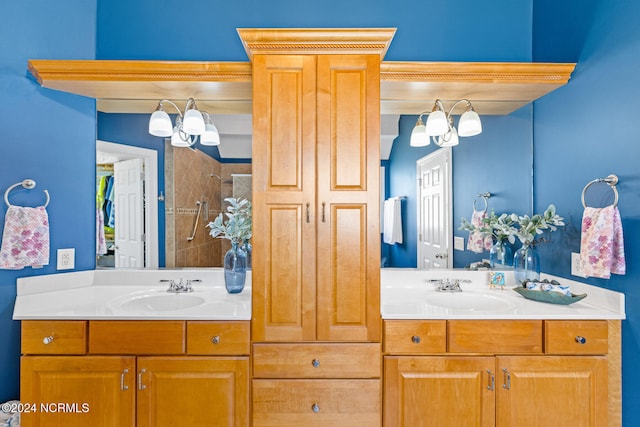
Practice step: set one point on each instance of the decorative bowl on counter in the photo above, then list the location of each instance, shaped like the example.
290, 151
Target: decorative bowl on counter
549, 296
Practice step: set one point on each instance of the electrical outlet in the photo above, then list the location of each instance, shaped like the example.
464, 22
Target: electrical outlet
458, 243
66, 259
575, 265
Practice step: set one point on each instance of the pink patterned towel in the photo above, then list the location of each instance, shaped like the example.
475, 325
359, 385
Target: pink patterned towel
25, 239
478, 241
602, 245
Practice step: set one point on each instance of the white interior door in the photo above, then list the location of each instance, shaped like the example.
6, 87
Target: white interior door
129, 213
434, 210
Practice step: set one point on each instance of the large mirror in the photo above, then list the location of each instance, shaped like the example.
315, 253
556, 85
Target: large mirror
499, 161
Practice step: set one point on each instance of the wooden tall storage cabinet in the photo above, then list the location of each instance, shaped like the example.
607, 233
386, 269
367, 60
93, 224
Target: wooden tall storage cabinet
316, 216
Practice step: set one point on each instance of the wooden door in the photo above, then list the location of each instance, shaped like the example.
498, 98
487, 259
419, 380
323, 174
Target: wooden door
80, 391
552, 391
430, 391
193, 391
348, 198
284, 211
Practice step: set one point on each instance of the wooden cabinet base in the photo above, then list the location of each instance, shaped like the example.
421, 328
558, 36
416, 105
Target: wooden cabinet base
316, 403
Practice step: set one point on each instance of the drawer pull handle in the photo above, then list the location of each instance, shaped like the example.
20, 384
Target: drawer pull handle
492, 381
507, 379
581, 340
47, 340
315, 363
122, 386
308, 212
216, 339
141, 385
415, 339
323, 217
315, 408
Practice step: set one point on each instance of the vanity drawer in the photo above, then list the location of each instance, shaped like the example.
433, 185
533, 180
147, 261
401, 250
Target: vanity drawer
415, 336
576, 337
316, 403
136, 337
317, 360
54, 337
494, 336
218, 338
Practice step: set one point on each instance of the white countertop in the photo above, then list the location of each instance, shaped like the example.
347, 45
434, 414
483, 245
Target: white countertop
408, 294
103, 294
405, 294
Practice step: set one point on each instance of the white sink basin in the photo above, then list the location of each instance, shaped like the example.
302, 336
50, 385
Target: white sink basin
465, 301
162, 302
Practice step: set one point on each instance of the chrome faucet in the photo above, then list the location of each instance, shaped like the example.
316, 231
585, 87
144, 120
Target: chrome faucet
448, 285
180, 286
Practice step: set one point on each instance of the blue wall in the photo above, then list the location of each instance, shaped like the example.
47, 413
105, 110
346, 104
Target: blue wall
47, 136
588, 129
571, 147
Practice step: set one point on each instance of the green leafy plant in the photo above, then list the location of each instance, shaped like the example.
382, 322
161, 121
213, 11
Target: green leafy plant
237, 225
531, 227
510, 226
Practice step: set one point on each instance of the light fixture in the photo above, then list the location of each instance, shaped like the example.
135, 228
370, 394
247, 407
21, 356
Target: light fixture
188, 126
439, 126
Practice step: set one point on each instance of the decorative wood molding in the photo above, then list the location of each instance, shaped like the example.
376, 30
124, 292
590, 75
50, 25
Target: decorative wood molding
478, 72
316, 40
494, 88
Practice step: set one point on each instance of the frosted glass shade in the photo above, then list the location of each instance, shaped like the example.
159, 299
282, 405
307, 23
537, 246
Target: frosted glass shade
176, 139
437, 123
210, 135
469, 124
193, 123
419, 137
160, 124
449, 139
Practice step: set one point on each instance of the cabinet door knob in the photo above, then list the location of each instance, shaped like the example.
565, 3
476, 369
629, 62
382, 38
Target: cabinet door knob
47, 340
315, 408
315, 363
415, 339
216, 339
581, 340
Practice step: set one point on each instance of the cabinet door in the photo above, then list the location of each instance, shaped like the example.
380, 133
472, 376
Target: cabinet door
284, 254
348, 198
193, 391
569, 391
78, 391
439, 391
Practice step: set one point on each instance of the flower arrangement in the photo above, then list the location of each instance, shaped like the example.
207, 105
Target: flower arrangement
510, 226
237, 226
529, 228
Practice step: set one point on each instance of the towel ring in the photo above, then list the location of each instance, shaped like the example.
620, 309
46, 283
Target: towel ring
29, 184
485, 197
612, 180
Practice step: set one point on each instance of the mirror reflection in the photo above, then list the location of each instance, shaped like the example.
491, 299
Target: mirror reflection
499, 161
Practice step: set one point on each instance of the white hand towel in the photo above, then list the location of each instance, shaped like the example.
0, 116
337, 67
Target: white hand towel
392, 221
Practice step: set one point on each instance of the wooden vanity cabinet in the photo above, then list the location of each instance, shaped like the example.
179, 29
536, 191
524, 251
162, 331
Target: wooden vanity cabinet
543, 373
136, 373
316, 202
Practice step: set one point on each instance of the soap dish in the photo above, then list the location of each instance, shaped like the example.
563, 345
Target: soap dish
549, 296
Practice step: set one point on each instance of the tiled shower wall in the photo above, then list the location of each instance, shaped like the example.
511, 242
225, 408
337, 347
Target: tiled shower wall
188, 180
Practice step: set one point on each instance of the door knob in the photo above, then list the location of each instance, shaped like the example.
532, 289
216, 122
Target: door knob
442, 256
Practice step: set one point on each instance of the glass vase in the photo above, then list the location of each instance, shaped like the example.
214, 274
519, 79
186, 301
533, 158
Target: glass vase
526, 264
500, 255
235, 269
247, 248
